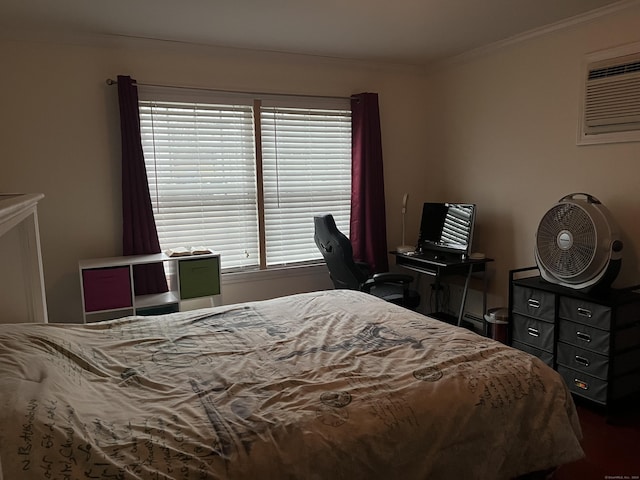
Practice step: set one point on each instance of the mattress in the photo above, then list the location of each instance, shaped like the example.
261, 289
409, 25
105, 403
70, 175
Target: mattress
323, 385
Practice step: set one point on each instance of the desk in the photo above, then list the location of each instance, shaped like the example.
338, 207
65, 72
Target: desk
438, 265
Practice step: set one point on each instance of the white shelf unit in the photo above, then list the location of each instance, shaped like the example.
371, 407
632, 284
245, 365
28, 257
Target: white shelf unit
107, 287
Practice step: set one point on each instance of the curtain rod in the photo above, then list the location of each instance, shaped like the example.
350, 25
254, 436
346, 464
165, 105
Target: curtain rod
110, 81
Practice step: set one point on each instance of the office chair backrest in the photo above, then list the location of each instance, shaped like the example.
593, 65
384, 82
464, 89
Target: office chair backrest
338, 254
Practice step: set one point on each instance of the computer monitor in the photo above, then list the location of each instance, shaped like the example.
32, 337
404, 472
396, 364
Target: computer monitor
447, 227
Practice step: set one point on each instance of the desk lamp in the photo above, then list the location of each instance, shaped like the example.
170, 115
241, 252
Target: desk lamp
404, 248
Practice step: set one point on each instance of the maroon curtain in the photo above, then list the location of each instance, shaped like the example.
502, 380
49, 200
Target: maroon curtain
139, 234
368, 229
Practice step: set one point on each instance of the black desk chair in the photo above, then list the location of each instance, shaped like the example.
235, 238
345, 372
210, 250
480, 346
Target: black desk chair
346, 273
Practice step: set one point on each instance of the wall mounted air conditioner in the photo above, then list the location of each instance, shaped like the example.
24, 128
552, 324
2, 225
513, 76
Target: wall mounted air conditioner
610, 103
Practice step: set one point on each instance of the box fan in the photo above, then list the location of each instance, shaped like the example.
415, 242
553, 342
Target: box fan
577, 243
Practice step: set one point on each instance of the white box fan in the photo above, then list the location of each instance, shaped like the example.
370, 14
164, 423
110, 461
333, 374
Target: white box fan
577, 243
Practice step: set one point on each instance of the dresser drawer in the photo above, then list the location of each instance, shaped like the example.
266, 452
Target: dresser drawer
583, 360
534, 332
584, 385
534, 303
599, 390
546, 357
584, 336
600, 366
588, 313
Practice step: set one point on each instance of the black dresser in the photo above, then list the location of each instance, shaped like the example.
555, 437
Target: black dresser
591, 339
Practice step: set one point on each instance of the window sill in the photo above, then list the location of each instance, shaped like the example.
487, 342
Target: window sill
274, 273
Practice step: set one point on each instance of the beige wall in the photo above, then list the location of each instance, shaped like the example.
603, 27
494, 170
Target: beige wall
507, 140
61, 137
497, 129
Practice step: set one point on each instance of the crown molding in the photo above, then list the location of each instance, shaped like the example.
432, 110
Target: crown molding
532, 34
130, 42
109, 40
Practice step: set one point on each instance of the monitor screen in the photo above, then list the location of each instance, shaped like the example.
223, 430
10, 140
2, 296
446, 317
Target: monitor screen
447, 227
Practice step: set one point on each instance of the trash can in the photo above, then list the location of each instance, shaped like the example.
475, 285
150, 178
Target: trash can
496, 323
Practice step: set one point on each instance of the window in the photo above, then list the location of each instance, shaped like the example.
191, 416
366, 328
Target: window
245, 176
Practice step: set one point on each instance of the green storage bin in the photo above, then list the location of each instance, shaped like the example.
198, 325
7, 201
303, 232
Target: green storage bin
199, 277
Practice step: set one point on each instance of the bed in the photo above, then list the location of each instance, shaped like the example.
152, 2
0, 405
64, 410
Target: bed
324, 385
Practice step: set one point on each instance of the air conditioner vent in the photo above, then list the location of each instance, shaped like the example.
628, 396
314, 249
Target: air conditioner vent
615, 70
610, 110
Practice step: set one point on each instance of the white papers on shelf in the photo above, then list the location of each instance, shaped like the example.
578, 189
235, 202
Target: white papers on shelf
184, 251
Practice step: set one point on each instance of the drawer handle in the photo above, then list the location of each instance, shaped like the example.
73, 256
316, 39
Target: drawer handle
533, 332
583, 312
585, 337
581, 384
533, 303
582, 361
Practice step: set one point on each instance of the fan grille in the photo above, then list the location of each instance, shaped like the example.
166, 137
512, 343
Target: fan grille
566, 240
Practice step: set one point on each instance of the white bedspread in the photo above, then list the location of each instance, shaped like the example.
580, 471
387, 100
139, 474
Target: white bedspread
327, 385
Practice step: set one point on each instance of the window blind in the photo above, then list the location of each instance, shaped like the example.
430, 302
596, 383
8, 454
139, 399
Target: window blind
200, 155
306, 155
200, 161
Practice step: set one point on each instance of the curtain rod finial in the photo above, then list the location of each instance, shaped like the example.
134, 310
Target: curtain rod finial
110, 81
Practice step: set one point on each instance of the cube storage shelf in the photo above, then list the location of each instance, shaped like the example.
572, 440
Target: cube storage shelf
107, 285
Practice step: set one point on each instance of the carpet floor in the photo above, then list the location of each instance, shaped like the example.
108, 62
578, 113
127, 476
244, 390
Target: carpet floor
611, 445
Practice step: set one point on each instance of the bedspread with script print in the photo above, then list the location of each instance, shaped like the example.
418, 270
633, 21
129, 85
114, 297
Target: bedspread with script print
326, 385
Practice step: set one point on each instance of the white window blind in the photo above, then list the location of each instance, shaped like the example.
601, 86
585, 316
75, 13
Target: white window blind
307, 170
200, 154
201, 169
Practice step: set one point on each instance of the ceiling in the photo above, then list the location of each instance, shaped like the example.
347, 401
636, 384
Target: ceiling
415, 32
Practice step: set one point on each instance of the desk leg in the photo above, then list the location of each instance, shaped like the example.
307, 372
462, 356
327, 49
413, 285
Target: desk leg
464, 295
484, 300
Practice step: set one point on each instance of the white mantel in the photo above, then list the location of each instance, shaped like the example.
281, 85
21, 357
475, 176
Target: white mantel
22, 293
